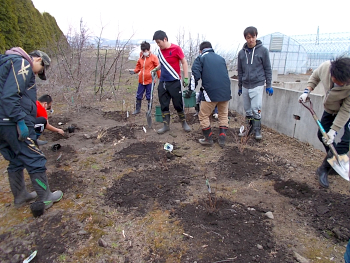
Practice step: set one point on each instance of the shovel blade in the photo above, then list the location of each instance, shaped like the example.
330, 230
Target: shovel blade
149, 119
341, 167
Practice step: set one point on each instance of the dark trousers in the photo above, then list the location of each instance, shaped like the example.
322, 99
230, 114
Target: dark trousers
341, 147
170, 90
141, 90
21, 154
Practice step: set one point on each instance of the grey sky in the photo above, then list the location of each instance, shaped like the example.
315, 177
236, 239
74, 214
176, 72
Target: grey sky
221, 22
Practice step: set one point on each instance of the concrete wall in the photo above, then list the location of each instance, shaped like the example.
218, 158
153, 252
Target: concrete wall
278, 113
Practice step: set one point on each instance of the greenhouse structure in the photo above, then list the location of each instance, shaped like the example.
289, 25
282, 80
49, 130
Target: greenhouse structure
302, 53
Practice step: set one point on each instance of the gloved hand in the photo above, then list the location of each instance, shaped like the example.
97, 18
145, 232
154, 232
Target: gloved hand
304, 96
269, 91
239, 92
185, 83
154, 71
331, 135
22, 130
215, 115
131, 71
188, 94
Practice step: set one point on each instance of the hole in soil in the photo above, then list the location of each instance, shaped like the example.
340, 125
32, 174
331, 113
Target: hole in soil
231, 232
116, 115
117, 133
140, 191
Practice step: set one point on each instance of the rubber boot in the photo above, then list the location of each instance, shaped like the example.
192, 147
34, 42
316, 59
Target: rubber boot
138, 107
257, 129
183, 121
222, 135
208, 137
323, 170
41, 186
166, 121
19, 190
249, 122
148, 105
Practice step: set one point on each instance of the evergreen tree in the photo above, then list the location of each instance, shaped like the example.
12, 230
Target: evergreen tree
9, 30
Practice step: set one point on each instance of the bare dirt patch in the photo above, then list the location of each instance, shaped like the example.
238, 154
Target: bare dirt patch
128, 200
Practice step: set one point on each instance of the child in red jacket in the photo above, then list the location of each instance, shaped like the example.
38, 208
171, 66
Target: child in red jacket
145, 64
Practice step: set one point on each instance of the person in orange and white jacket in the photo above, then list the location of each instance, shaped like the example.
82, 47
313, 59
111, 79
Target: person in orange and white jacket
145, 64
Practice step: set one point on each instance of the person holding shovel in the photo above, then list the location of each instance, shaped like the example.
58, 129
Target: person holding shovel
145, 64
211, 68
254, 70
170, 56
335, 77
17, 118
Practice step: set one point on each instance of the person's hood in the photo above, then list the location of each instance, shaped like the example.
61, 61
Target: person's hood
19, 51
209, 49
258, 44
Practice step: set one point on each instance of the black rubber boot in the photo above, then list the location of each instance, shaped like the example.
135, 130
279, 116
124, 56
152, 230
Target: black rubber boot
257, 129
222, 136
19, 190
148, 105
41, 186
166, 121
208, 137
138, 107
183, 121
323, 170
249, 123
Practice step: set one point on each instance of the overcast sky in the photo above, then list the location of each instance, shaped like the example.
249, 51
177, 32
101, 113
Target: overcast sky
221, 22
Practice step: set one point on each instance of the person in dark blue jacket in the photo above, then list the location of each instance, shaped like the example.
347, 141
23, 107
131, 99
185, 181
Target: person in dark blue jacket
254, 70
17, 117
211, 68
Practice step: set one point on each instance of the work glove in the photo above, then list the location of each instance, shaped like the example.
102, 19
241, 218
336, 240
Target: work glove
269, 91
22, 130
239, 92
304, 96
331, 135
154, 71
185, 83
215, 115
131, 71
188, 94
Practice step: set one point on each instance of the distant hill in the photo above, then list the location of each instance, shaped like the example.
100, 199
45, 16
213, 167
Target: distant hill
21, 24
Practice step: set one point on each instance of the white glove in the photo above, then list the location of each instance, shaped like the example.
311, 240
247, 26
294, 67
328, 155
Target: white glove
331, 135
304, 96
215, 115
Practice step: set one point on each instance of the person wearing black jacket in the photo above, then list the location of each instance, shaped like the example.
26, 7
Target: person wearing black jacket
254, 69
211, 68
17, 117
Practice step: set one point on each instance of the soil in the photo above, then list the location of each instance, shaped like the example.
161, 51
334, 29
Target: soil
126, 199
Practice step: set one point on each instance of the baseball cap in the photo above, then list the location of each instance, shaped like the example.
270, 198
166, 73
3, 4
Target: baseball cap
46, 60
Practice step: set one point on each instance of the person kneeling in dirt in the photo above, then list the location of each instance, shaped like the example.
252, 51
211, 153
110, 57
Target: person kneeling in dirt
17, 118
44, 104
335, 77
170, 56
145, 64
211, 68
